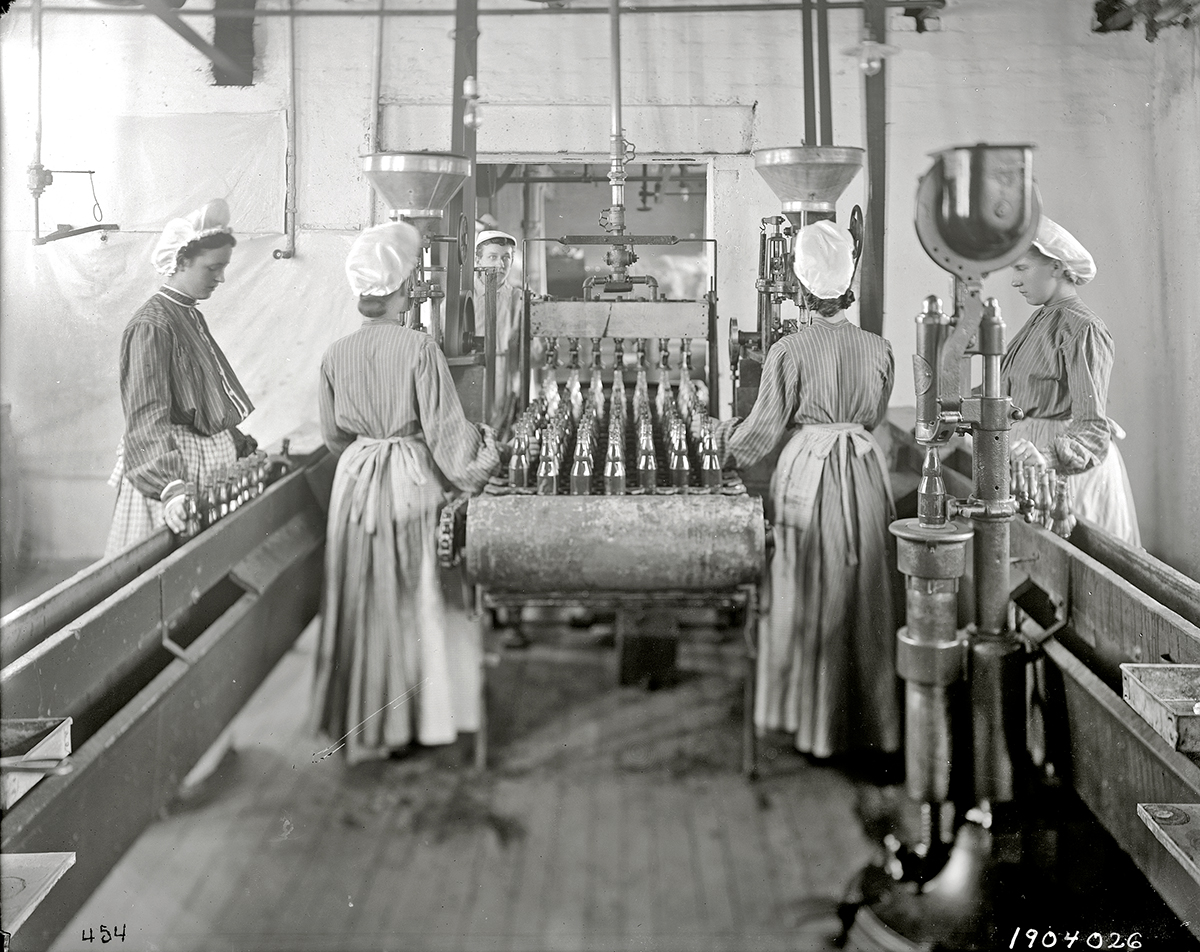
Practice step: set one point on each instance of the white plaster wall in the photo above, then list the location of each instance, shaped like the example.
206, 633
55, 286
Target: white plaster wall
1114, 119
1175, 322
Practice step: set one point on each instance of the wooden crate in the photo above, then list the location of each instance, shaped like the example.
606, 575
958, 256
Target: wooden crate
1167, 697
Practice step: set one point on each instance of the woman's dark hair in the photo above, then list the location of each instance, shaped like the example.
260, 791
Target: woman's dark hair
374, 305
207, 243
826, 307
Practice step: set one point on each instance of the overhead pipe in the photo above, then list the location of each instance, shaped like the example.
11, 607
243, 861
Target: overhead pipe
926, 5
289, 210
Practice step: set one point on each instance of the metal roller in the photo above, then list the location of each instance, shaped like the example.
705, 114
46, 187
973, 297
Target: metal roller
634, 544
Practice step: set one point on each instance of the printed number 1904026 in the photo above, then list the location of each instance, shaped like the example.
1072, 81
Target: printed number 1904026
1049, 938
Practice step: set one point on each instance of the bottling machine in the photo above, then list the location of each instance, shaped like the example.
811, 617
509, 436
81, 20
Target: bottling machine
808, 181
610, 499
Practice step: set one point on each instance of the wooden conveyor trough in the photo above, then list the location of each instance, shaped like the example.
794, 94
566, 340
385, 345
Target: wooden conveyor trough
151, 655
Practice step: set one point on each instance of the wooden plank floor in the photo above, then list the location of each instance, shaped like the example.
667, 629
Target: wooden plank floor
613, 818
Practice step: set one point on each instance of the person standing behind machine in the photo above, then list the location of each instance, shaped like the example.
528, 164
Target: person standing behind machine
1057, 370
387, 664
495, 249
826, 659
182, 400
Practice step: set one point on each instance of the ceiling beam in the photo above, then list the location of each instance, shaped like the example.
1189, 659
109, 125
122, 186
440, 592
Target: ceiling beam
218, 57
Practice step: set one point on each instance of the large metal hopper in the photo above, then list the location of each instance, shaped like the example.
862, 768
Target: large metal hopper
808, 178
417, 184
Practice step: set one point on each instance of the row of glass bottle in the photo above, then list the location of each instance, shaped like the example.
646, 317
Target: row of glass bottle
1042, 497
226, 491
557, 426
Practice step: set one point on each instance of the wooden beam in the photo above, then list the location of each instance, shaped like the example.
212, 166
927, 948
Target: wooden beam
875, 93
1157, 579
168, 15
30, 624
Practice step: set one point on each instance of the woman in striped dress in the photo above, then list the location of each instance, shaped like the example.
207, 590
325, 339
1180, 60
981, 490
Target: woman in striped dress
1057, 369
826, 659
389, 669
182, 400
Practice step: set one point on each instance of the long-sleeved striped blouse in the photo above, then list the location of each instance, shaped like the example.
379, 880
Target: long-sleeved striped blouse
1057, 367
826, 372
385, 380
172, 372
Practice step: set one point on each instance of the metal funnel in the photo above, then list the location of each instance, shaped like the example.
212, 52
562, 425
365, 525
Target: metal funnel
808, 178
417, 184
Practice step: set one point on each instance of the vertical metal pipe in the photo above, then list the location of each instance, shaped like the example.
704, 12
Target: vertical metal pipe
823, 83
376, 94
875, 94
997, 658
460, 216
36, 29
616, 175
36, 167
289, 210
491, 281
930, 654
810, 92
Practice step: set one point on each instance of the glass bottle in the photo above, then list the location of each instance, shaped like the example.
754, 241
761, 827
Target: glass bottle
1031, 492
547, 477
518, 464
614, 464
647, 465
1045, 499
581, 470
1062, 520
710, 463
1017, 489
222, 492
680, 465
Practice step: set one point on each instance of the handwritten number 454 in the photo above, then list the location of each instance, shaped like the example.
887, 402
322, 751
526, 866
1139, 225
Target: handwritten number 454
106, 934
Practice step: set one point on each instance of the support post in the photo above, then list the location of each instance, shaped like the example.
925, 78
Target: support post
875, 93
460, 262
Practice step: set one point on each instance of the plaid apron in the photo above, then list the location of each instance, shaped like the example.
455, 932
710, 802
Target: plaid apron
136, 516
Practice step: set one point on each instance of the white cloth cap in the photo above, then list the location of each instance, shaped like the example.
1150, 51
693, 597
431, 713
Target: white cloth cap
824, 259
210, 219
382, 258
1056, 242
493, 235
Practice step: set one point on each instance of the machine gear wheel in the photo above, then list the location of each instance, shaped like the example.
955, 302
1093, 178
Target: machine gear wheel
452, 533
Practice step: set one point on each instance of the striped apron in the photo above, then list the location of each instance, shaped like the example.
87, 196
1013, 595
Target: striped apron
390, 667
826, 661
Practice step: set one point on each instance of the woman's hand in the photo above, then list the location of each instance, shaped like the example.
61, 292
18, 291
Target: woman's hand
696, 425
175, 513
1024, 452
